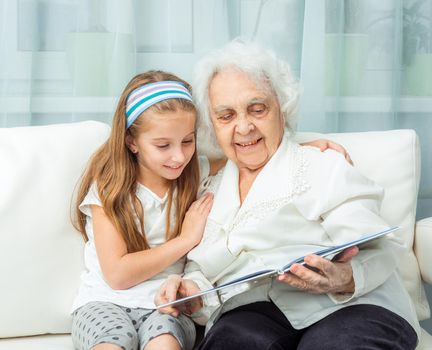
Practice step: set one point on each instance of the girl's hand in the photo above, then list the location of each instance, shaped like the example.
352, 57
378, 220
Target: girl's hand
326, 277
327, 144
196, 218
175, 288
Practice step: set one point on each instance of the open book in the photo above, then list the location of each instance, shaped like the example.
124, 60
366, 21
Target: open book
256, 277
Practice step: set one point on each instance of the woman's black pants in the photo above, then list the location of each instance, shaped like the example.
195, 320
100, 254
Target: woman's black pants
262, 326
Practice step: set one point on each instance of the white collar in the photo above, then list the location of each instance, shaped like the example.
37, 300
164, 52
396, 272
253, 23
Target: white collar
151, 199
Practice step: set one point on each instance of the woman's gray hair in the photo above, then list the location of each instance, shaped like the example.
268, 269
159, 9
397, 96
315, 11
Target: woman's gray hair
259, 64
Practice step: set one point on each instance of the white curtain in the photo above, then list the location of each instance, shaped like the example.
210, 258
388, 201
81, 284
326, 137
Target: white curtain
363, 64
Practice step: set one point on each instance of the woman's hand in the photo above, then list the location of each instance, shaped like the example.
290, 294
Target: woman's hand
175, 288
326, 276
327, 144
196, 218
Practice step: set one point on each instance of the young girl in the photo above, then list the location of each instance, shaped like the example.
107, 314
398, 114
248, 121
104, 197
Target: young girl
137, 212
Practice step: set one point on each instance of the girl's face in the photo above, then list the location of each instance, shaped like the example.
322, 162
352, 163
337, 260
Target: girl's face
165, 146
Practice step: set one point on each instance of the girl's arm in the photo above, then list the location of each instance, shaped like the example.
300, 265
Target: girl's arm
322, 144
193, 281
123, 270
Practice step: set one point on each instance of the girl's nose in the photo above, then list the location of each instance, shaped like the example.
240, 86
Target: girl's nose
178, 156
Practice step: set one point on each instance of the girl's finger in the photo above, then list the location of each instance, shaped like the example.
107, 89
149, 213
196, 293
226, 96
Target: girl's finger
338, 148
323, 145
197, 203
206, 209
206, 200
172, 286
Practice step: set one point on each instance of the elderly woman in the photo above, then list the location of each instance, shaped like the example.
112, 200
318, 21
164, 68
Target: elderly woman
274, 201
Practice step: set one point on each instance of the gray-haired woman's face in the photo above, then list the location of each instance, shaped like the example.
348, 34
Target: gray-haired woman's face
246, 119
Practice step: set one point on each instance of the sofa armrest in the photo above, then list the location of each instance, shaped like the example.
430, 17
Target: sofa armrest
423, 248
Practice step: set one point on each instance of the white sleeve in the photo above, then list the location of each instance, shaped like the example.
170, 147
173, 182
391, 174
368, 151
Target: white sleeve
211, 301
347, 205
91, 198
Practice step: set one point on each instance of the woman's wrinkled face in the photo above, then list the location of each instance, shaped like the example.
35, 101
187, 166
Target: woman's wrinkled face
246, 118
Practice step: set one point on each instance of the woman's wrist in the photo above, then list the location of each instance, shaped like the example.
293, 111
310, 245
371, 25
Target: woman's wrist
349, 288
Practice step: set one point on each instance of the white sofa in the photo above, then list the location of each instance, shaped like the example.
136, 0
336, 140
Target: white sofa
41, 255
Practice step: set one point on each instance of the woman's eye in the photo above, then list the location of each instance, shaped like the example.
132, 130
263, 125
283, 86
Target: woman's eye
257, 109
226, 117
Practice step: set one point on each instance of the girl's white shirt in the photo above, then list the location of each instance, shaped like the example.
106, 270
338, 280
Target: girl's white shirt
93, 286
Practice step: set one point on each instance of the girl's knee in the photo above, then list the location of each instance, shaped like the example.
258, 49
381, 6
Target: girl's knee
106, 346
163, 341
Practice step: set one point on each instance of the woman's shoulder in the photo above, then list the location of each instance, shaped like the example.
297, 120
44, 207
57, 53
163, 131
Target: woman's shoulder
315, 154
321, 164
332, 181
330, 167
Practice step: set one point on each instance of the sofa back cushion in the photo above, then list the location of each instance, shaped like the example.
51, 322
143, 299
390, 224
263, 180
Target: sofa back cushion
391, 159
40, 252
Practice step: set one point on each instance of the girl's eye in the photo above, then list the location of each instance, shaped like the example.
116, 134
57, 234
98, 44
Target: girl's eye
162, 146
188, 141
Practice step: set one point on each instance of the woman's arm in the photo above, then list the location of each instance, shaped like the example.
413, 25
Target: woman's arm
347, 205
123, 270
357, 274
334, 276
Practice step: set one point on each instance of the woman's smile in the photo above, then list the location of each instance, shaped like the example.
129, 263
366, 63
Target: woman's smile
248, 145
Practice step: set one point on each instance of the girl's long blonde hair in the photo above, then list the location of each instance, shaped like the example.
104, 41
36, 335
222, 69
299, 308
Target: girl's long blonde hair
114, 168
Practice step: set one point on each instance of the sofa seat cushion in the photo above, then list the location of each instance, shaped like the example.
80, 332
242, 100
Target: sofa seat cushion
41, 342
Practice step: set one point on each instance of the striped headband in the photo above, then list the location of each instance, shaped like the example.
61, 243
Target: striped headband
146, 96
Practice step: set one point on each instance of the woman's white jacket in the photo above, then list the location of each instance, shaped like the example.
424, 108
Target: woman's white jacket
302, 200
